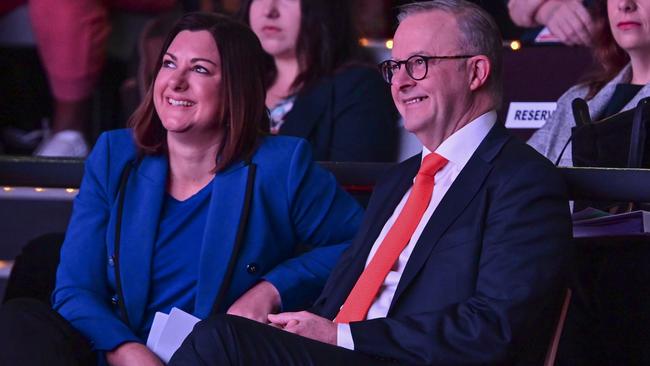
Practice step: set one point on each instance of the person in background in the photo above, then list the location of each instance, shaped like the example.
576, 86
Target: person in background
569, 20
464, 249
608, 321
71, 38
621, 48
317, 90
194, 188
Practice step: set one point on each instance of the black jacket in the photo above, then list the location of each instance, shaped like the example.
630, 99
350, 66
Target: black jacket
349, 116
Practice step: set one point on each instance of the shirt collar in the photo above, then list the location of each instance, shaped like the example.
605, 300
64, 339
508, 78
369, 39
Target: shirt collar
460, 146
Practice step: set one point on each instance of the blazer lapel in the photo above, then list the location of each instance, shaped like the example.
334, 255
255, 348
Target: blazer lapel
145, 191
308, 104
460, 194
224, 213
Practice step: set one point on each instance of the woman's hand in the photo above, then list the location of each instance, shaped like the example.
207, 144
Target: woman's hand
257, 303
568, 20
132, 353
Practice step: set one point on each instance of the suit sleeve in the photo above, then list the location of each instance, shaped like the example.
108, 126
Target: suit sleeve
325, 219
364, 119
82, 294
523, 258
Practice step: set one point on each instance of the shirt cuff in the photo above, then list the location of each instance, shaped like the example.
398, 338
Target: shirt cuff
344, 336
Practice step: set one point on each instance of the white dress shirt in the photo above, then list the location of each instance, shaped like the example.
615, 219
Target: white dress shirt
457, 149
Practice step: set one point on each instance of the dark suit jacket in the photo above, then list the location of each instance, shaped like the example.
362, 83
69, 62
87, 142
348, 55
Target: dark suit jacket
349, 116
490, 261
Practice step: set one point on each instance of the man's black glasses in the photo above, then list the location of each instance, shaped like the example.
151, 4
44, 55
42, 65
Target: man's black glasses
417, 66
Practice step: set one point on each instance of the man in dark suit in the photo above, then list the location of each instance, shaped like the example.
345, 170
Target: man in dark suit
462, 253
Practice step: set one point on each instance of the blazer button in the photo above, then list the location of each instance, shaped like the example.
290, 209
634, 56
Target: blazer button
251, 268
111, 262
114, 299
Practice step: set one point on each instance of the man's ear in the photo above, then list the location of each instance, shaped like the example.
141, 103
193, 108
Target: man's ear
479, 71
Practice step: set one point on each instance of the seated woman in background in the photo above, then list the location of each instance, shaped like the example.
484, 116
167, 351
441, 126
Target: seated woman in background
608, 319
316, 90
621, 50
195, 207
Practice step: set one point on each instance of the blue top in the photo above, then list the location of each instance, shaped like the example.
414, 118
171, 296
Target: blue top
176, 256
295, 204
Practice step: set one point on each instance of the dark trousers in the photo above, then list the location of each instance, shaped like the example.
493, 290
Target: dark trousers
31, 334
231, 340
34, 271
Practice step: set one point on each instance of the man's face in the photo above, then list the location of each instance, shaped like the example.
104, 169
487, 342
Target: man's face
431, 107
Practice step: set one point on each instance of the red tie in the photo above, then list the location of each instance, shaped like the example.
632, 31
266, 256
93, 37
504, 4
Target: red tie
363, 293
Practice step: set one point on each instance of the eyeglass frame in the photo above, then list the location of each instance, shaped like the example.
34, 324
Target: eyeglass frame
426, 65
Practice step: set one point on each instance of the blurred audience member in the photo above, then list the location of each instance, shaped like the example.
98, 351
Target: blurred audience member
621, 48
568, 20
608, 322
71, 38
316, 90
164, 216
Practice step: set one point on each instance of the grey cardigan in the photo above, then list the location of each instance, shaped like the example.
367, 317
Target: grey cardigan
550, 139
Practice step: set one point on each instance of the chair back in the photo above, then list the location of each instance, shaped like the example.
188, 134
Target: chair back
551, 354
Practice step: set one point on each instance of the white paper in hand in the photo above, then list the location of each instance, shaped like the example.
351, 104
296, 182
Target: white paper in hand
178, 326
159, 321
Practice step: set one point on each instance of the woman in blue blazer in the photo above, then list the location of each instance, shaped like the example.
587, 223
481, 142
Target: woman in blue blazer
195, 206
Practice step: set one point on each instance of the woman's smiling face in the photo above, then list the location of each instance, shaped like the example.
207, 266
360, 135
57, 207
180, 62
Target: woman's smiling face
187, 88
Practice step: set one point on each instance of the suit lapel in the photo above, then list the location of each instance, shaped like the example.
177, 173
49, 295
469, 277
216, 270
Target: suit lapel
145, 191
224, 213
460, 194
381, 207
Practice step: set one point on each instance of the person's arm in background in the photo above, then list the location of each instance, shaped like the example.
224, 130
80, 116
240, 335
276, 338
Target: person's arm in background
568, 20
523, 12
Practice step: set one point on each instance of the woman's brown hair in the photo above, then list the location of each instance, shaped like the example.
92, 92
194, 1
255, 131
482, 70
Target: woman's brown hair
244, 65
327, 40
609, 57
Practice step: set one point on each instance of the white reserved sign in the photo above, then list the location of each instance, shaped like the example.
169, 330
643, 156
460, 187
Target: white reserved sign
529, 114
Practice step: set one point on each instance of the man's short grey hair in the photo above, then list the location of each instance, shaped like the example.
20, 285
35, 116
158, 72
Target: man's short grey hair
479, 33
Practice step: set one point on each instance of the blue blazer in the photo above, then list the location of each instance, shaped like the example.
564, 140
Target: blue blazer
295, 205
488, 268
